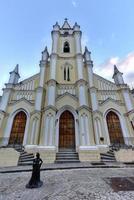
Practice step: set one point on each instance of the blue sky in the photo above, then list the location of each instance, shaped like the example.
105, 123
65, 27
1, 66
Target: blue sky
107, 26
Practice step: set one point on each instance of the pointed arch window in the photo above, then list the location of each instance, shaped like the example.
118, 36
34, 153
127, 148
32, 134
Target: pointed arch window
66, 48
64, 73
67, 73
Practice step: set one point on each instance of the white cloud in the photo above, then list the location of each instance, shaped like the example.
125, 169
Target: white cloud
74, 3
125, 65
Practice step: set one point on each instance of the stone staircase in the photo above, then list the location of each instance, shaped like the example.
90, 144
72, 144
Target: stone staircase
67, 156
25, 158
108, 156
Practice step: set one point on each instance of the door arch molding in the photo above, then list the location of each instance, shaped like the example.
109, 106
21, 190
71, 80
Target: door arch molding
66, 130
10, 123
114, 128
18, 128
122, 123
74, 113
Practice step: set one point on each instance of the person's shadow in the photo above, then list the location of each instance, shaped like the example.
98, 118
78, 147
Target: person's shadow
35, 181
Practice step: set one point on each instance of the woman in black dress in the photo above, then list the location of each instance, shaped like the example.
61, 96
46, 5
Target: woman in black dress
35, 181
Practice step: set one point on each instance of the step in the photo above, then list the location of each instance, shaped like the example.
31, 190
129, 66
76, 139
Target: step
26, 163
27, 156
67, 150
104, 158
105, 155
25, 153
26, 159
72, 156
110, 154
110, 151
67, 155
67, 161
71, 153
107, 158
97, 163
67, 158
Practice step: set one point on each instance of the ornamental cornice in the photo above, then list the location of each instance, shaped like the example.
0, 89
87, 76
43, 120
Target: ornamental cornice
81, 82
77, 32
35, 112
50, 108
84, 107
3, 113
129, 113
40, 89
78, 55
55, 32
51, 82
97, 112
93, 89
118, 102
53, 55
9, 86
23, 100
43, 63
66, 94
89, 63
122, 87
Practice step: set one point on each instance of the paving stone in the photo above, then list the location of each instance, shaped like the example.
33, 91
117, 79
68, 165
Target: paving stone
75, 184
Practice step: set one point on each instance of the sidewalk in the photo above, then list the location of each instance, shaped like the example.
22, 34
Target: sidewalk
62, 166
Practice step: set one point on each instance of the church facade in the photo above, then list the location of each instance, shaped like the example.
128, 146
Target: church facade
66, 105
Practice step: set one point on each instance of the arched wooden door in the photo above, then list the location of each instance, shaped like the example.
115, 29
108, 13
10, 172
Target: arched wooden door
18, 128
114, 128
67, 131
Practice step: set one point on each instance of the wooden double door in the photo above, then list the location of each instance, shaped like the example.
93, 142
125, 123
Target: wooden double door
114, 128
18, 128
66, 131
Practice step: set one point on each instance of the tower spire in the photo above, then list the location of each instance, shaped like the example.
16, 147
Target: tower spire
66, 24
14, 75
117, 76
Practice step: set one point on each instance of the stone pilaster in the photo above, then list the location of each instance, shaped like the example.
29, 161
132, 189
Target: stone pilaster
82, 92
51, 94
40, 89
94, 100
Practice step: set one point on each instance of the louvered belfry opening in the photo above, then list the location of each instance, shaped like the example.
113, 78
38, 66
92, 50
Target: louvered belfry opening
66, 47
114, 128
67, 131
18, 128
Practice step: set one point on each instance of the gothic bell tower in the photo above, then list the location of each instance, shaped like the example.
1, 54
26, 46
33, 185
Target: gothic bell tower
67, 85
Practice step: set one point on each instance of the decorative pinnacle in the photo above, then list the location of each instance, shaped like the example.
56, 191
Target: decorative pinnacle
86, 49
66, 19
45, 54
116, 69
45, 48
16, 69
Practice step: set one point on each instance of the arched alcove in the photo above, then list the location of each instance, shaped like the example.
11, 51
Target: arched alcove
66, 48
114, 128
66, 130
18, 128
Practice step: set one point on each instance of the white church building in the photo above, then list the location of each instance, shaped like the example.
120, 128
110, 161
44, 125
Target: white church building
66, 105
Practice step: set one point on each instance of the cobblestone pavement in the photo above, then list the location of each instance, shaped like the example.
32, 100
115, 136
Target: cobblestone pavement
76, 184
